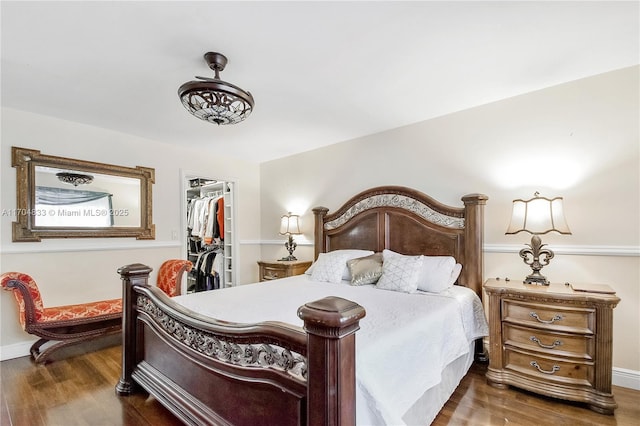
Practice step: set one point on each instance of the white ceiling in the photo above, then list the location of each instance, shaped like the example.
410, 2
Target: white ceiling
320, 73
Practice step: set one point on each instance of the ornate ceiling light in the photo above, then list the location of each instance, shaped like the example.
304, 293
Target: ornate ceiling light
214, 100
74, 179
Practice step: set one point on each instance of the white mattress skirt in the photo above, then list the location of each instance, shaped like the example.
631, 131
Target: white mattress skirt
430, 403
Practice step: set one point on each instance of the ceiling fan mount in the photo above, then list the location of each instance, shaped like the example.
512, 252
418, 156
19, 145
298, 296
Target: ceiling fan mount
216, 61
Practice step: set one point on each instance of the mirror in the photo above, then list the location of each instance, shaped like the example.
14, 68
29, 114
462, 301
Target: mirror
60, 197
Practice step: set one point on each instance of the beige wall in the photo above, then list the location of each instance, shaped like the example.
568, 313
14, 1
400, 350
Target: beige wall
81, 270
578, 140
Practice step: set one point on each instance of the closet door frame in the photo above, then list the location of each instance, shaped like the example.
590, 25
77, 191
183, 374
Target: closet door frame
185, 177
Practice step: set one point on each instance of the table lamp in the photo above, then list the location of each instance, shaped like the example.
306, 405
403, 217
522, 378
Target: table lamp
290, 225
537, 216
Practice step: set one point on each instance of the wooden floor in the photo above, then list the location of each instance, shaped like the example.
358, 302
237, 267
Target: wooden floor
78, 389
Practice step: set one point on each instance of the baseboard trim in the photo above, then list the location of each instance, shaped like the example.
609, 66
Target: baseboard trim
626, 378
15, 350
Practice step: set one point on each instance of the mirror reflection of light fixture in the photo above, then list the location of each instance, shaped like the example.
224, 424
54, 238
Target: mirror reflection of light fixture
290, 225
537, 216
214, 100
74, 179
35, 169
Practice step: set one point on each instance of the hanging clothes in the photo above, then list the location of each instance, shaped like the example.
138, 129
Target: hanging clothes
206, 277
205, 228
218, 268
220, 217
205, 218
211, 228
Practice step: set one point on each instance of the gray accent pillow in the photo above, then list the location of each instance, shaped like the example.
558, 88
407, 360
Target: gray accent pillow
365, 270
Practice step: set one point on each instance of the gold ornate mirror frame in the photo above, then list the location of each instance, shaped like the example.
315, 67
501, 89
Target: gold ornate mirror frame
25, 228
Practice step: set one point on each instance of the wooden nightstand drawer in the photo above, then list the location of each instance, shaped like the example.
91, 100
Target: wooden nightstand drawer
557, 370
552, 343
281, 269
552, 317
271, 273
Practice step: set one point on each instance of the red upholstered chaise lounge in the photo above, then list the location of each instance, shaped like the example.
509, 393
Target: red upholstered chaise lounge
71, 324
65, 324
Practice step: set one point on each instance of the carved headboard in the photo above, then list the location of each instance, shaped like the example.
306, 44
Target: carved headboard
409, 222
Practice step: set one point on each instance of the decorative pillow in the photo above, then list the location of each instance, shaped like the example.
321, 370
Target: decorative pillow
329, 267
455, 274
365, 270
351, 254
437, 273
386, 253
400, 272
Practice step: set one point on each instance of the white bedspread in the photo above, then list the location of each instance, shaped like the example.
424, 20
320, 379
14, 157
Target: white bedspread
403, 343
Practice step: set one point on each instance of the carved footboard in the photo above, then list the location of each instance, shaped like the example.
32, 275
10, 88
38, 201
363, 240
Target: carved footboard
212, 372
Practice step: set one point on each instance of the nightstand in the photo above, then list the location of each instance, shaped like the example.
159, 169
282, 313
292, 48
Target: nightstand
282, 268
552, 340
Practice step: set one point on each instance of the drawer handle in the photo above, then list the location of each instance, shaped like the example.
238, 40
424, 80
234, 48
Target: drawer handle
553, 369
551, 321
542, 345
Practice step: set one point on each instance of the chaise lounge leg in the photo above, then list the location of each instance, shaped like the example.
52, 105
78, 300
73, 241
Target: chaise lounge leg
35, 348
42, 357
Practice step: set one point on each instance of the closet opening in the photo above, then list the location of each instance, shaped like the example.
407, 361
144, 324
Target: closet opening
209, 233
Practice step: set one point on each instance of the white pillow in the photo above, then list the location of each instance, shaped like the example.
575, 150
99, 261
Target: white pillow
350, 253
455, 274
386, 253
437, 273
400, 272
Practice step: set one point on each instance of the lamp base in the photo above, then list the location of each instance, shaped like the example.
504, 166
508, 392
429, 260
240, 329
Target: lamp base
288, 258
531, 256
290, 245
536, 279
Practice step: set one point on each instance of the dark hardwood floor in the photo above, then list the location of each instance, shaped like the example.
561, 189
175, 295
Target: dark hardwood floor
78, 389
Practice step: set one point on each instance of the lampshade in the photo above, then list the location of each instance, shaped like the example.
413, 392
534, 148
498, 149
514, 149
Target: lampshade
537, 216
290, 224
214, 100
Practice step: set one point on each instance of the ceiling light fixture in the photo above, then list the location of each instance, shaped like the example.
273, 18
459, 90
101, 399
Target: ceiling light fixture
74, 179
214, 100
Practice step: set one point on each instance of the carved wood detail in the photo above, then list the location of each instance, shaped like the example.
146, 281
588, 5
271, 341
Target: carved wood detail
399, 201
256, 355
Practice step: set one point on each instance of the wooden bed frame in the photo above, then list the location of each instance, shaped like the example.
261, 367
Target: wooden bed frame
207, 371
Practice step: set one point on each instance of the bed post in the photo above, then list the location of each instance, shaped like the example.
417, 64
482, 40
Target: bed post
319, 213
474, 241
135, 274
331, 324
473, 252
